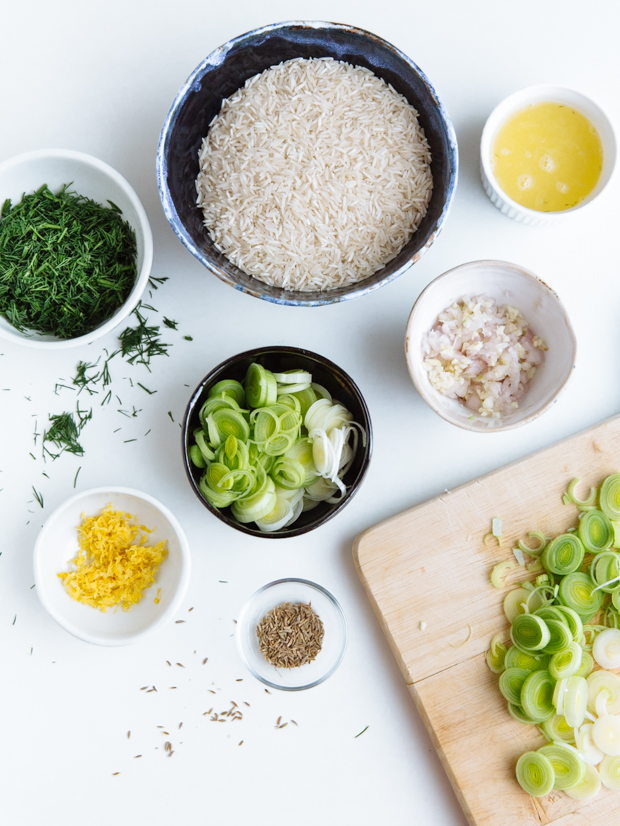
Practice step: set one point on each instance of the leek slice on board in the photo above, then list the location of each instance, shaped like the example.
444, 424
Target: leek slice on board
590, 502
564, 554
556, 728
596, 531
604, 681
606, 648
589, 786
577, 591
609, 771
535, 773
569, 769
566, 663
609, 498
606, 735
496, 655
529, 632
528, 660
536, 551
511, 683
537, 696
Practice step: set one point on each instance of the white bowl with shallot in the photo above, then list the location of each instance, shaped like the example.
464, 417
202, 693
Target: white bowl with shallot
489, 346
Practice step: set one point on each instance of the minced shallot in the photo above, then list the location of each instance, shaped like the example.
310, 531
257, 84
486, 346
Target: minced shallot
483, 355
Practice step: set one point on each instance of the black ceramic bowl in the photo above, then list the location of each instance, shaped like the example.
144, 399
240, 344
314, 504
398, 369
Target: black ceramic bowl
278, 359
224, 71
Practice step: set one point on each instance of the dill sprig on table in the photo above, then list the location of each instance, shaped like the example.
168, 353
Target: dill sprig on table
66, 263
64, 433
139, 344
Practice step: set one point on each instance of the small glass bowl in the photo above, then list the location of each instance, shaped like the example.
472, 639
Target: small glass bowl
334, 640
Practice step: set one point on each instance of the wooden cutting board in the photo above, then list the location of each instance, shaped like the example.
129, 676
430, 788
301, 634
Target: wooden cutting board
430, 565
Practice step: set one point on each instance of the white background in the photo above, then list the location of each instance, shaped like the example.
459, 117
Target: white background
100, 78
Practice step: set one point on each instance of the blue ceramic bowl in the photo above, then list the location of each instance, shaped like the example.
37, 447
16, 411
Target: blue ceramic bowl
224, 71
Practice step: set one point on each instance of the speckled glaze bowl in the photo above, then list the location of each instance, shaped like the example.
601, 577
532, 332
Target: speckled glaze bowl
542, 309
224, 71
325, 372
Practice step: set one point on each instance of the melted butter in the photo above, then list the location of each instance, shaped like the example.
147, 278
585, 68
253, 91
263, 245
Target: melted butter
547, 157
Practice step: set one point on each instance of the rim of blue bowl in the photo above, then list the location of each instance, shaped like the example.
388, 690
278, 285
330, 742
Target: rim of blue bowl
216, 58
223, 515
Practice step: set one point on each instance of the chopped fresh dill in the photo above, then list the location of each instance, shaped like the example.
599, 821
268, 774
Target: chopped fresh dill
174, 325
155, 282
170, 414
76, 476
37, 496
141, 343
64, 433
188, 338
361, 732
130, 440
67, 263
150, 392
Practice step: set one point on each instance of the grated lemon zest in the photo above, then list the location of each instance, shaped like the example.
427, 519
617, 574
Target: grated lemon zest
110, 569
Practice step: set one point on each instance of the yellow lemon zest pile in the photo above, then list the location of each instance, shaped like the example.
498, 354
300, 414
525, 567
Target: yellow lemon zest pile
110, 570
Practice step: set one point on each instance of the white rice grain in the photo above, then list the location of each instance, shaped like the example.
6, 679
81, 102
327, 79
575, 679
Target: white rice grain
314, 175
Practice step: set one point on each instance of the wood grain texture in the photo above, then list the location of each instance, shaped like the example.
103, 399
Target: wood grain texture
430, 565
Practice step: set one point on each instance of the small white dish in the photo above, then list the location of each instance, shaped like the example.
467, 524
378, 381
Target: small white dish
507, 284
515, 103
334, 641
94, 179
57, 544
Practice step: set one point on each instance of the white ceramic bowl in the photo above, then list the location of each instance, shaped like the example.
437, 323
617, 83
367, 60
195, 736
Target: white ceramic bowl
513, 104
546, 317
57, 545
94, 179
334, 641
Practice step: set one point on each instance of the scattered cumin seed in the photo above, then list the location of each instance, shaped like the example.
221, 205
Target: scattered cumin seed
137, 755
294, 723
284, 725
144, 687
169, 663
172, 686
191, 609
178, 621
241, 742
180, 725
115, 773
128, 735
267, 691
246, 704
211, 690
181, 665
279, 721
204, 662
240, 680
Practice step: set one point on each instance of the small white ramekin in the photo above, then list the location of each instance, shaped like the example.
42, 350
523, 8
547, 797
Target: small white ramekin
510, 106
94, 179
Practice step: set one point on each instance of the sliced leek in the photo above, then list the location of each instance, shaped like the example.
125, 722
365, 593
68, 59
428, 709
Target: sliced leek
564, 554
596, 531
609, 498
567, 766
542, 543
565, 663
511, 683
606, 735
590, 502
529, 632
606, 648
556, 728
514, 602
496, 655
585, 745
535, 773
537, 696
577, 591
525, 659
609, 772
575, 701
604, 681
589, 786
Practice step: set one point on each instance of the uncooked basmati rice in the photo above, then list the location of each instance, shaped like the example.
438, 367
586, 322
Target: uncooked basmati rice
314, 175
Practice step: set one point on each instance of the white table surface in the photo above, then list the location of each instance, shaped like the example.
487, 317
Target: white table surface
100, 77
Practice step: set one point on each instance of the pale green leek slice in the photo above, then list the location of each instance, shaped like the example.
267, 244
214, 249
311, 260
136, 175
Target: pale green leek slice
196, 456
288, 473
606, 648
609, 772
537, 696
276, 518
525, 659
496, 655
567, 766
575, 701
605, 571
609, 499
560, 636
511, 682
572, 619
556, 728
535, 773
500, 572
293, 377
529, 633
257, 506
261, 387
564, 554
595, 531
582, 504
604, 681
589, 786
577, 591
566, 663
585, 745
229, 388
514, 603
542, 544
518, 714
606, 734
586, 666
